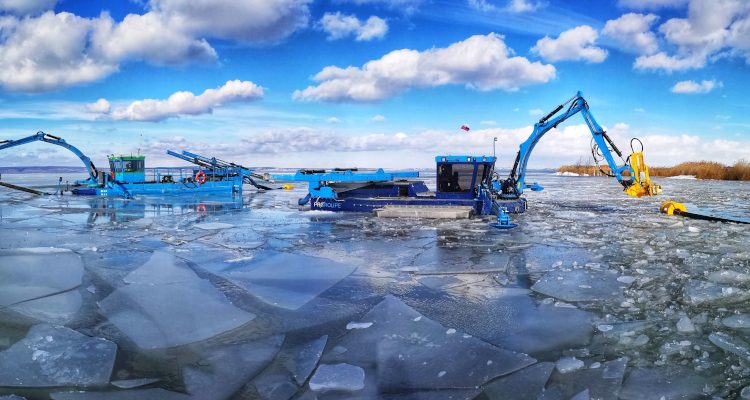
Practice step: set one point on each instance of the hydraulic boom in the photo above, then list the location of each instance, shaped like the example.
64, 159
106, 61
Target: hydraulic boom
632, 174
46, 137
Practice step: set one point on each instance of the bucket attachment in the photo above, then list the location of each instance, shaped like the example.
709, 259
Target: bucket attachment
503, 220
642, 185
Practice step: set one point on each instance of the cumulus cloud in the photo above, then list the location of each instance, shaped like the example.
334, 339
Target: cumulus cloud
482, 62
575, 44
26, 7
246, 21
339, 26
378, 118
563, 145
712, 29
333, 120
56, 50
100, 106
651, 4
185, 103
632, 32
693, 87
49, 51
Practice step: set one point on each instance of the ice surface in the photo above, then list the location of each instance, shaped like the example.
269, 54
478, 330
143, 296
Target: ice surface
685, 325
162, 268
568, 364
526, 384
673, 382
337, 378
602, 380
275, 386
57, 356
134, 383
463, 275
305, 359
56, 309
225, 369
731, 344
170, 309
12, 397
418, 353
286, 280
701, 292
580, 285
32, 273
213, 225
137, 394
739, 321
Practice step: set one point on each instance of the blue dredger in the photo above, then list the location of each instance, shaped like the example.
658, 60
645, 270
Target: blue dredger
128, 175
469, 181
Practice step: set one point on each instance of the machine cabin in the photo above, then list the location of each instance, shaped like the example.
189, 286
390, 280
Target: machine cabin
128, 169
458, 177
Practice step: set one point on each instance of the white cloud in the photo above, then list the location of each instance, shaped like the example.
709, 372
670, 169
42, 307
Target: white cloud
49, 51
692, 87
339, 26
56, 50
187, 103
712, 29
482, 5
378, 118
639, 109
651, 4
519, 6
333, 120
536, 111
575, 44
632, 32
481, 62
564, 145
100, 106
26, 7
147, 37
247, 21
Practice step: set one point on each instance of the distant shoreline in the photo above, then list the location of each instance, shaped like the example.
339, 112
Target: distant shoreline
740, 171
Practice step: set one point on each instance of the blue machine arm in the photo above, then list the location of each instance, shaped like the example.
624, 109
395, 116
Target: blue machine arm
45, 137
515, 184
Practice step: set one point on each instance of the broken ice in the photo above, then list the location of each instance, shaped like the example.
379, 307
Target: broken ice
167, 305
57, 356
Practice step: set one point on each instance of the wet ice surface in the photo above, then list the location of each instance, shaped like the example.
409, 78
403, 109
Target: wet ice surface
595, 295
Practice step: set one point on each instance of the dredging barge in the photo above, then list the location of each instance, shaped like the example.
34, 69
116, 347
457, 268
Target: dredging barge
128, 176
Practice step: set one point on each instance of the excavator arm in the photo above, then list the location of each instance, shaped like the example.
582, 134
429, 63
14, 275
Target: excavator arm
56, 140
632, 173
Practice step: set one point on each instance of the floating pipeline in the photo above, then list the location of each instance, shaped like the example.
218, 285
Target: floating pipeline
674, 208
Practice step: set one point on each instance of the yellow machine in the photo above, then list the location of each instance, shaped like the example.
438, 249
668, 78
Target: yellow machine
642, 185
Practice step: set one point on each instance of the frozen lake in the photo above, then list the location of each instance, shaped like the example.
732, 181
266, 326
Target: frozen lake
595, 295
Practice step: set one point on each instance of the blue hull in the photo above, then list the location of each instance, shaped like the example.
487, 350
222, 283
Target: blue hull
227, 187
369, 204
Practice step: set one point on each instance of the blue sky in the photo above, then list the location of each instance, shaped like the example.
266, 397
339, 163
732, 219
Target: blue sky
371, 82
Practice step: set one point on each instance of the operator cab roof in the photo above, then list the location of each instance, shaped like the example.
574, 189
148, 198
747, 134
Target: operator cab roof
465, 159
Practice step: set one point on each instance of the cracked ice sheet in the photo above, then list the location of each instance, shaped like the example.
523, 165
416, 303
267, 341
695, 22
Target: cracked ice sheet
224, 369
603, 381
413, 352
32, 273
526, 384
56, 309
57, 356
168, 305
580, 285
669, 382
283, 279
